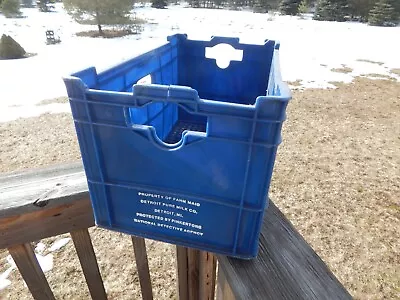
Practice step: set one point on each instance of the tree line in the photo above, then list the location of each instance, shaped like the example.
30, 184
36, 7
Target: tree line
375, 12
11, 8
106, 12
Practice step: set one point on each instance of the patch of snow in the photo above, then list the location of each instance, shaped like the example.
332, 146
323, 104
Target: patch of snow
26, 111
45, 262
40, 247
10, 261
309, 49
4, 282
57, 245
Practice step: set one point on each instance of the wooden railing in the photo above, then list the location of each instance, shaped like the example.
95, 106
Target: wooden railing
42, 203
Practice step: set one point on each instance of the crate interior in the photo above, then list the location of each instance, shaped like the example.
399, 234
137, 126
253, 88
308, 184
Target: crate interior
240, 83
168, 119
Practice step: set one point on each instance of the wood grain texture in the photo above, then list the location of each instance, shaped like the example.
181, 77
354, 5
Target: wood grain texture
182, 270
142, 264
285, 268
28, 265
224, 291
219, 295
52, 220
207, 275
87, 258
40, 203
193, 273
32, 190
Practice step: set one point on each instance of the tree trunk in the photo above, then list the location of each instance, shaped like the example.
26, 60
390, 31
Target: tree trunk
99, 23
100, 29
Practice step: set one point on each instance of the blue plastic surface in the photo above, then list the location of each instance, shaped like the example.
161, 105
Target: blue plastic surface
187, 159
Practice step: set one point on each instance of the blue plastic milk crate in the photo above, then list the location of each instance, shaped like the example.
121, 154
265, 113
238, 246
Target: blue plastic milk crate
188, 158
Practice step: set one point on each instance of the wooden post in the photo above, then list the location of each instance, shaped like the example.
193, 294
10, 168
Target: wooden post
182, 269
196, 274
142, 264
87, 258
207, 269
193, 273
28, 265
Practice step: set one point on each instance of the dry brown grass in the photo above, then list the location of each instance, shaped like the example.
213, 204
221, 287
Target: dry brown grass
107, 33
36, 142
395, 71
116, 261
337, 178
296, 83
379, 76
54, 100
344, 70
371, 61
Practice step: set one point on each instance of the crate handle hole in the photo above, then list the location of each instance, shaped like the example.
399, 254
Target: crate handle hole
224, 54
145, 80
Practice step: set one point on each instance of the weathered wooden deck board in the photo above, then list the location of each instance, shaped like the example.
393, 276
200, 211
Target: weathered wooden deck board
51, 220
224, 291
40, 203
29, 191
285, 268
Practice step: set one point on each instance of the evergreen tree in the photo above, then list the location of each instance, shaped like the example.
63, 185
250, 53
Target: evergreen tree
383, 14
10, 8
311, 3
263, 6
42, 5
331, 10
219, 3
303, 7
260, 6
9, 48
240, 3
194, 3
290, 7
158, 3
45, 5
27, 3
110, 12
397, 8
359, 9
233, 4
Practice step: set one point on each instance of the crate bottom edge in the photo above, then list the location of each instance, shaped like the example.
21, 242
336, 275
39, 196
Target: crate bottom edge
177, 242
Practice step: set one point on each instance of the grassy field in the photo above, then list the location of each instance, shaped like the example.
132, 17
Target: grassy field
337, 178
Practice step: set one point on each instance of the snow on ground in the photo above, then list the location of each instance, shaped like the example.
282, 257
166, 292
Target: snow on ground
309, 49
45, 261
57, 245
4, 282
